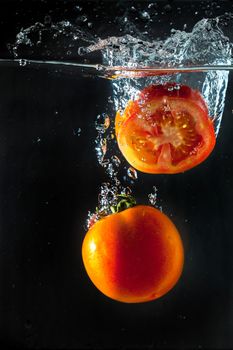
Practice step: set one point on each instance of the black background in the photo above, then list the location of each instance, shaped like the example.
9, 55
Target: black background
50, 178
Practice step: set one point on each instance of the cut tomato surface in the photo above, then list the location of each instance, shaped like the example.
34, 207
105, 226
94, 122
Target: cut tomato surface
166, 130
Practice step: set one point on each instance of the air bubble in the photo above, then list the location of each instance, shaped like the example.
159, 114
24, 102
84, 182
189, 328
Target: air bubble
116, 160
47, 19
81, 19
167, 8
102, 123
22, 62
132, 173
66, 23
145, 15
77, 132
170, 88
82, 51
153, 196
78, 8
110, 99
151, 5
99, 67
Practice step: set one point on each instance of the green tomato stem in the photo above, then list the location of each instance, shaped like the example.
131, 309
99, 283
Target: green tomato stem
125, 202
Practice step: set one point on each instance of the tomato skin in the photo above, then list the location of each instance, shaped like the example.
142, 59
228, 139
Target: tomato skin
133, 256
150, 101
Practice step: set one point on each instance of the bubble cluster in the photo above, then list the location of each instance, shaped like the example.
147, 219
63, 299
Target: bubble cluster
153, 196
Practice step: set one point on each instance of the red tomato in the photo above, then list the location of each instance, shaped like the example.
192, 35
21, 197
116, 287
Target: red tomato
166, 130
135, 255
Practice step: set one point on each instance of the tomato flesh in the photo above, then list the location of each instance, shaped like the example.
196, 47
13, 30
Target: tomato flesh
165, 131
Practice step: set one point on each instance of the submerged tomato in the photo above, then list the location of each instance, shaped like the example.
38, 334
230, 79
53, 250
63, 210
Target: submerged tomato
166, 130
133, 256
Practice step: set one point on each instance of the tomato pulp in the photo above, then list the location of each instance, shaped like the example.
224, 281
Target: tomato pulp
166, 130
135, 255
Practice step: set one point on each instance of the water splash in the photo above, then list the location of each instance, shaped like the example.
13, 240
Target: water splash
51, 40
205, 45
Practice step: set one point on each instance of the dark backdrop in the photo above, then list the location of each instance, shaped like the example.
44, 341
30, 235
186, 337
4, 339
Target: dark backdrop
50, 178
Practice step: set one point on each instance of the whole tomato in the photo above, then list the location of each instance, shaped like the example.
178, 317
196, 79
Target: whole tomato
135, 255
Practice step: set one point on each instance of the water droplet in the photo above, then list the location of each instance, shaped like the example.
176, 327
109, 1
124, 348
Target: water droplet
90, 24
38, 140
131, 172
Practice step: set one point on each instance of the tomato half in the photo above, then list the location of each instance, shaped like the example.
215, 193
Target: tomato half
166, 130
135, 255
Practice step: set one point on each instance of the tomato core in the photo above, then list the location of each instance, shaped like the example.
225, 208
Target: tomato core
169, 136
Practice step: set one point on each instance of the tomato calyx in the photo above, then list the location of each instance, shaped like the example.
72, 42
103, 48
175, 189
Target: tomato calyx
121, 203
125, 202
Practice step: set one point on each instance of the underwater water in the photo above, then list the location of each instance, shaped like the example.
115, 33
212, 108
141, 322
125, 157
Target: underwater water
60, 160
